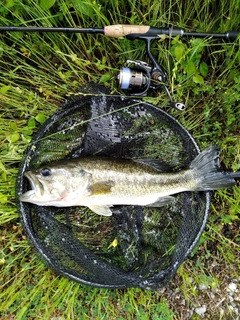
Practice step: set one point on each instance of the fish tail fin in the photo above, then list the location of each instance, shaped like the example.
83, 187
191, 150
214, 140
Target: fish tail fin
209, 173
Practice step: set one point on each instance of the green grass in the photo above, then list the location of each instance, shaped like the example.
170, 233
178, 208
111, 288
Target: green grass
38, 71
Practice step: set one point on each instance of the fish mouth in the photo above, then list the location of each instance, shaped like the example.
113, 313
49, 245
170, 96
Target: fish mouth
36, 187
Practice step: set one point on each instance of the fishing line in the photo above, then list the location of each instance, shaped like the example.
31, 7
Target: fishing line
91, 119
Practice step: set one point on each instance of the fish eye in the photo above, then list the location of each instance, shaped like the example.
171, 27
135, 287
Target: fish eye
46, 172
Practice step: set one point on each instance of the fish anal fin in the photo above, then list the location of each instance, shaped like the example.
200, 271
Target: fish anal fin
101, 210
160, 202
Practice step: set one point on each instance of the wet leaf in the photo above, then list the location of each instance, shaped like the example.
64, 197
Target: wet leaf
198, 79
84, 7
14, 137
31, 123
113, 244
190, 68
203, 68
47, 4
4, 89
40, 117
178, 51
105, 77
3, 198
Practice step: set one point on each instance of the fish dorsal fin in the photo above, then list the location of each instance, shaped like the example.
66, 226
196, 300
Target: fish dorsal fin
156, 164
101, 188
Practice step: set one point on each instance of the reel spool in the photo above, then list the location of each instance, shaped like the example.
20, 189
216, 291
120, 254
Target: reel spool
137, 79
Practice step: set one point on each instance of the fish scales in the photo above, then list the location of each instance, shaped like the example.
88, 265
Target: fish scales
101, 182
129, 177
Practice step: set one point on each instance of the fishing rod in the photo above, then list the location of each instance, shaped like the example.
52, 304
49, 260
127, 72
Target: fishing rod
123, 30
138, 77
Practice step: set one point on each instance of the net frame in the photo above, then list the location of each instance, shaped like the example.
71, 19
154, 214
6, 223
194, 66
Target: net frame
86, 266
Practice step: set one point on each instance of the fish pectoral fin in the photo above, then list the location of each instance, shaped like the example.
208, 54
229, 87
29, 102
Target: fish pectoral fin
101, 210
161, 202
101, 188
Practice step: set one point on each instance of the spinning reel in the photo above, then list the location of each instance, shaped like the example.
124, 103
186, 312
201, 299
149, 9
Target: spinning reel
138, 77
141, 77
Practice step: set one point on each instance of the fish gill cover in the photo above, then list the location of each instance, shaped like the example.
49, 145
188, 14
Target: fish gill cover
137, 246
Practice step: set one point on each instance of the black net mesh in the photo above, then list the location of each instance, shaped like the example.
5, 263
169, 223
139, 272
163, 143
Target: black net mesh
137, 246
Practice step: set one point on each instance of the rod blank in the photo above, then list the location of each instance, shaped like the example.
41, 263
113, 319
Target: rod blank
51, 29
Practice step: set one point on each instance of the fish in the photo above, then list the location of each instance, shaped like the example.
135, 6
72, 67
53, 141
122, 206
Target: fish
100, 183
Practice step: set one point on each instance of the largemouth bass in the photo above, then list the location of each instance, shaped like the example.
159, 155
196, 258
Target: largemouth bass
100, 182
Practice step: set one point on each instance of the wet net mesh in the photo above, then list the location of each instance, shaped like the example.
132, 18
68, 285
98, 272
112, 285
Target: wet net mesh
137, 246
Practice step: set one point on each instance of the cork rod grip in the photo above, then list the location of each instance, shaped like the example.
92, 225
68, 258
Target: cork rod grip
121, 30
